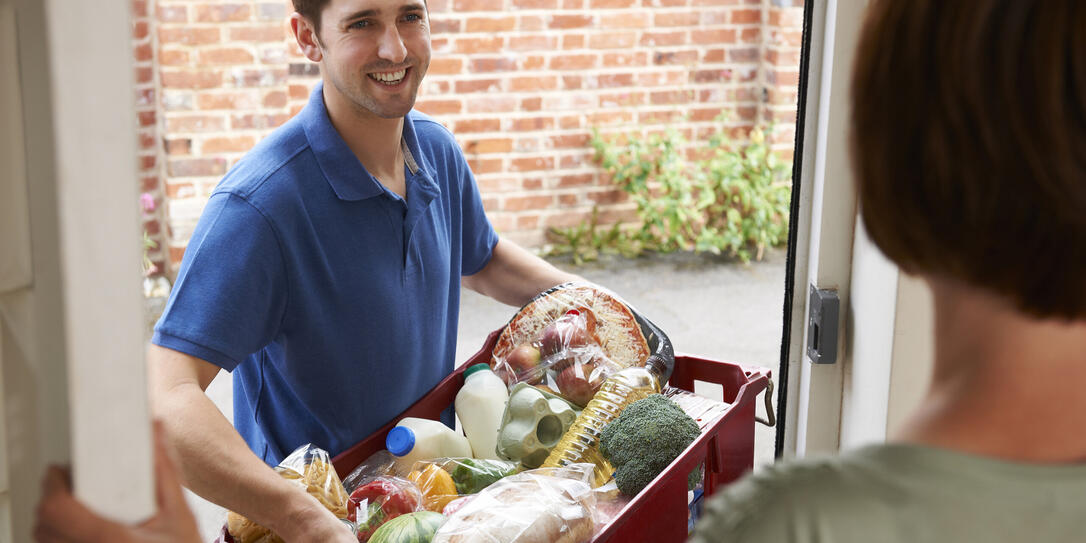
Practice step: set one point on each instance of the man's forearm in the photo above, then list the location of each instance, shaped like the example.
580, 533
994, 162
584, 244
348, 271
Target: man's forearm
217, 464
513, 275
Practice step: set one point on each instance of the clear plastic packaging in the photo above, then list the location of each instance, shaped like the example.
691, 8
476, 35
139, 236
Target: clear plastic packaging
581, 443
568, 340
703, 410
379, 500
311, 468
537, 506
444, 480
379, 464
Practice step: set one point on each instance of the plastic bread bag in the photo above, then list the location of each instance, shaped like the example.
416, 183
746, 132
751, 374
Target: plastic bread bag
378, 500
568, 339
548, 505
309, 467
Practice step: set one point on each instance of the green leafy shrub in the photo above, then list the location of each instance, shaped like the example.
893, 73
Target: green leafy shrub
732, 199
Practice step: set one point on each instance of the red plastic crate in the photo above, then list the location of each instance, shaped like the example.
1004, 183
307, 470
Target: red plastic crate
660, 511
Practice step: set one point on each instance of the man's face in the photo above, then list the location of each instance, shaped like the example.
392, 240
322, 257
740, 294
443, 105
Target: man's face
375, 53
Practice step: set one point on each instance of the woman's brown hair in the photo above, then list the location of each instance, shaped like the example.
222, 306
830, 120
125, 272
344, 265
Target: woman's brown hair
969, 144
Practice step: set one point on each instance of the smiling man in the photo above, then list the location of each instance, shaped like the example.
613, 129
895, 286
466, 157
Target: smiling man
325, 272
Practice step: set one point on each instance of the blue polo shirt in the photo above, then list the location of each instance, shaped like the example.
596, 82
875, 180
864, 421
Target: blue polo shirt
332, 300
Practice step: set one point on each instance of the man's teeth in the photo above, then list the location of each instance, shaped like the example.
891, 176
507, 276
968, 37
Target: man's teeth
390, 77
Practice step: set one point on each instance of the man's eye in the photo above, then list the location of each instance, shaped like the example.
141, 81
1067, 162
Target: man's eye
412, 17
359, 24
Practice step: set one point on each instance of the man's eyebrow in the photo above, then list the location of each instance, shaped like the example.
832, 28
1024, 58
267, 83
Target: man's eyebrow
359, 15
415, 6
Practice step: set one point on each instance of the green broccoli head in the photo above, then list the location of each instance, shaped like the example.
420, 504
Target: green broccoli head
645, 438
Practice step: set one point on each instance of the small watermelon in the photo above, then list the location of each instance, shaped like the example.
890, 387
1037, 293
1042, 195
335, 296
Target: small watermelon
418, 527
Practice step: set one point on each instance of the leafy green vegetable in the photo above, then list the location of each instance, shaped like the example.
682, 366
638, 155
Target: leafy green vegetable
645, 438
473, 474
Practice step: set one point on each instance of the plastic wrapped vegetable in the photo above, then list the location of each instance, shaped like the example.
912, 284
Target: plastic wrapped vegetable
309, 467
436, 485
472, 475
570, 338
380, 500
536, 506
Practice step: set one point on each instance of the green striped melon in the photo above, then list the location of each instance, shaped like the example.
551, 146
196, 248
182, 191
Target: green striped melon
418, 527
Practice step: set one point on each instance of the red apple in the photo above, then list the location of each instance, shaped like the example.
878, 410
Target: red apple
524, 362
570, 331
578, 383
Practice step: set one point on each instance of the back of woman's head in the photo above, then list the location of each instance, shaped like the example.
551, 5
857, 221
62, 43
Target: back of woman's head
969, 144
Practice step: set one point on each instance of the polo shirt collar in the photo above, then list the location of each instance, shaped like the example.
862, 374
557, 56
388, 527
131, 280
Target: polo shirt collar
344, 173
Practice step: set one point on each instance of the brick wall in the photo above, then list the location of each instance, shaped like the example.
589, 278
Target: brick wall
520, 82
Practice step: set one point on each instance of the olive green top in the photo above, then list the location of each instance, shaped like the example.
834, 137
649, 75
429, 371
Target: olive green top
900, 493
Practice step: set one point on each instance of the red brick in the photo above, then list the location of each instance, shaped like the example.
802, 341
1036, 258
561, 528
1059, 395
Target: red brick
531, 62
657, 39
490, 24
720, 35
569, 200
492, 104
196, 167
573, 62
523, 203
571, 121
180, 190
615, 80
468, 126
782, 58
743, 54
173, 57
566, 219
714, 17
531, 23
144, 52
532, 123
533, 183
750, 35
629, 20
573, 41
613, 40
179, 146
676, 19
299, 92
219, 13
622, 99
569, 141
139, 30
536, 4
444, 26
178, 13
259, 121
714, 55
232, 100
709, 76
531, 164
190, 35
139, 9
534, 103
445, 66
608, 4
153, 227
264, 33
146, 118
149, 183
237, 144
533, 43
576, 180
633, 58
489, 146
481, 166
176, 254
491, 44
571, 21
611, 196
147, 162
439, 107
145, 74
501, 221
573, 4
495, 64
477, 5
147, 141
746, 16
194, 123
672, 97
528, 145
226, 56
527, 222
609, 118
675, 57
264, 77
478, 85
572, 82
533, 83
670, 115
275, 99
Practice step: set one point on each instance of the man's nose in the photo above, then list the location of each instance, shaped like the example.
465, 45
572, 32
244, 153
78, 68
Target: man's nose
391, 46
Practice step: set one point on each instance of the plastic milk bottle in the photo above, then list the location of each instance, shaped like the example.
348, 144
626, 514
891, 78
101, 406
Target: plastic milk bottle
415, 439
480, 405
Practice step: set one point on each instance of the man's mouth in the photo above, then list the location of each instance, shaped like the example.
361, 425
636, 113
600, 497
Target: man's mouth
389, 78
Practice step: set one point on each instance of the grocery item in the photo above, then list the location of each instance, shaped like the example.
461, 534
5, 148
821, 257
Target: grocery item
479, 405
581, 442
378, 464
436, 485
573, 325
380, 500
472, 475
533, 423
537, 506
311, 468
417, 527
644, 439
416, 439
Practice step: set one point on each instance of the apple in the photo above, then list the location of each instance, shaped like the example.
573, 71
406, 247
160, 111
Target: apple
570, 331
524, 363
578, 383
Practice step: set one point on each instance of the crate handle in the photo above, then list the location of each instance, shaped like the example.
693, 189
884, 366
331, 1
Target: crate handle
770, 418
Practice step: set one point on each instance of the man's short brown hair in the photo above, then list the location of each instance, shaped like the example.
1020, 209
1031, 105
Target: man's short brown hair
311, 10
969, 144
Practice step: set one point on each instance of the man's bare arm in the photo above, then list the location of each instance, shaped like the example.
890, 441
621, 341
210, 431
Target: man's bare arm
514, 275
217, 464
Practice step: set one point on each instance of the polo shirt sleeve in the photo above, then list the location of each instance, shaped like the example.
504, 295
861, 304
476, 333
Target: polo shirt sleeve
231, 291
479, 237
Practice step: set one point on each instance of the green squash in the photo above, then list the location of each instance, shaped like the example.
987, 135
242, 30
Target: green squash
418, 527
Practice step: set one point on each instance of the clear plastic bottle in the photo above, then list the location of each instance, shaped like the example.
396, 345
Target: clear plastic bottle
581, 443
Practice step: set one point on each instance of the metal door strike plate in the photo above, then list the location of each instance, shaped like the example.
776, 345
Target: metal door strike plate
823, 311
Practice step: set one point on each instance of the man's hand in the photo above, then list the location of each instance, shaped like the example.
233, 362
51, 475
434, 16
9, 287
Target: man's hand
62, 518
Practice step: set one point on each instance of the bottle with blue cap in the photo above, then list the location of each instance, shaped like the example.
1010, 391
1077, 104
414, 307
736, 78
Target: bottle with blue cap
480, 404
412, 440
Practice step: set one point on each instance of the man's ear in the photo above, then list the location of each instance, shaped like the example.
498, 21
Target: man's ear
306, 36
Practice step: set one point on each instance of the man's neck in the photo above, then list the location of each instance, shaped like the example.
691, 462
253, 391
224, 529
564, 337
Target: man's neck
1005, 384
374, 140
